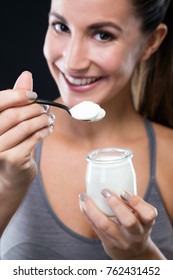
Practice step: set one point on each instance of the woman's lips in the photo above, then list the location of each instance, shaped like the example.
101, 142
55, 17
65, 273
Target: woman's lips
80, 84
80, 81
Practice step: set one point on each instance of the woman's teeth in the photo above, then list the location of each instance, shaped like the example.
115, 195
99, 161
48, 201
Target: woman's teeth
79, 82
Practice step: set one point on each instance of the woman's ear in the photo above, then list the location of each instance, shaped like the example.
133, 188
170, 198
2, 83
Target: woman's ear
154, 41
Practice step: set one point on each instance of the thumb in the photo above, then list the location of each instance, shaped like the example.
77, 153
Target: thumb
24, 81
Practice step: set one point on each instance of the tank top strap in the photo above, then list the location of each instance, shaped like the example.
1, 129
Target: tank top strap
152, 147
38, 154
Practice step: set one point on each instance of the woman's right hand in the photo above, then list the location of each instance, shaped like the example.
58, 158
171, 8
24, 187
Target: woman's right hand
23, 124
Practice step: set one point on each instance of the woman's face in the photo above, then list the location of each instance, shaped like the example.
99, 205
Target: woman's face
92, 48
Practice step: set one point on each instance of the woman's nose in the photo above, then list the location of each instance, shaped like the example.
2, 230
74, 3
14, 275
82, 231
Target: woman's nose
76, 56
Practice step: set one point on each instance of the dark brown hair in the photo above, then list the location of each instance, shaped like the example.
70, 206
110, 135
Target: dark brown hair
155, 77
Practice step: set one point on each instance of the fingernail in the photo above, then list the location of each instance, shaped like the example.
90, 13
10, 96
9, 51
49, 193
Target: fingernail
126, 196
31, 95
83, 197
51, 119
106, 193
51, 128
45, 107
52, 116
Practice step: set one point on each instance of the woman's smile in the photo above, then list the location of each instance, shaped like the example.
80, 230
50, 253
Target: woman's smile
83, 81
82, 84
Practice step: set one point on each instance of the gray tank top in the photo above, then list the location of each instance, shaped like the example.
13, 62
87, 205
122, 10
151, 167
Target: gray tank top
35, 231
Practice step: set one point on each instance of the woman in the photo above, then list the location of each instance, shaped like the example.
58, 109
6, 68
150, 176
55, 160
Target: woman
100, 51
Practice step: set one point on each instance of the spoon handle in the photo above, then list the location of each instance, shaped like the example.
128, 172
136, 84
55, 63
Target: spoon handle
52, 103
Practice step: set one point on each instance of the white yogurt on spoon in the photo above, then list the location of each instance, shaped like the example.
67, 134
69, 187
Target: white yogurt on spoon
84, 111
87, 111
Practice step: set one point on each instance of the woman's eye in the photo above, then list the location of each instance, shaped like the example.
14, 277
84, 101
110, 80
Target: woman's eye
60, 27
103, 36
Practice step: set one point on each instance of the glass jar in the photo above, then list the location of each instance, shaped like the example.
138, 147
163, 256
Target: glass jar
110, 168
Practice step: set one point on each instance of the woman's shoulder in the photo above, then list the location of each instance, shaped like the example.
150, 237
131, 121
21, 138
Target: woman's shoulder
164, 163
164, 140
164, 135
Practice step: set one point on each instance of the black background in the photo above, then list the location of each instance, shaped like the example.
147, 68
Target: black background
23, 25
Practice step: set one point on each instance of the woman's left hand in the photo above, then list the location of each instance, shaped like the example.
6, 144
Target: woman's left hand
127, 235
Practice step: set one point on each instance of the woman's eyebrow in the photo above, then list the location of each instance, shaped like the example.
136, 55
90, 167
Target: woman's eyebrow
61, 18
105, 24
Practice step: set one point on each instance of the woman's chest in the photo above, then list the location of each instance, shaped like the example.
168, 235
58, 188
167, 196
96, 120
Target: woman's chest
64, 179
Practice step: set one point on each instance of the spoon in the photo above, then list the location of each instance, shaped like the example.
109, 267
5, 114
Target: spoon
84, 111
52, 103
